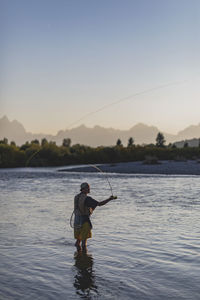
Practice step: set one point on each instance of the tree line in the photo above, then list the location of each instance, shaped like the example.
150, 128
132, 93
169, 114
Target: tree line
47, 153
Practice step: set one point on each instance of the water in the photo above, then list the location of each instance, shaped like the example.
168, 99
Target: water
145, 244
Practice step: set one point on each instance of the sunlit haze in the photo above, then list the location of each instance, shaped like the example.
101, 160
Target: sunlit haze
61, 60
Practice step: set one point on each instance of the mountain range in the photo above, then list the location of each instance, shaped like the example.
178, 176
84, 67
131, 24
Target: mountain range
97, 136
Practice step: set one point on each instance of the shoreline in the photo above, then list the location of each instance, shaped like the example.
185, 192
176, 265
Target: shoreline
165, 167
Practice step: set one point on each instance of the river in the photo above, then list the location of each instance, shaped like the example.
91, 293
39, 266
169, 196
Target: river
145, 244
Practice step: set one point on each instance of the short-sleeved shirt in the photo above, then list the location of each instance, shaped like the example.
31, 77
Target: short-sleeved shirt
90, 202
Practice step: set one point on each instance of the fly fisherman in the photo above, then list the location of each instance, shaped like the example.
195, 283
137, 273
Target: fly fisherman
83, 208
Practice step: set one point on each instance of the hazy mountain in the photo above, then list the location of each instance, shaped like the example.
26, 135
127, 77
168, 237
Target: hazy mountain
96, 136
12, 130
147, 134
15, 131
190, 132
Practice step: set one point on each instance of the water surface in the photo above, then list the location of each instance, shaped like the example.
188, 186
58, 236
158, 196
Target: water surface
145, 244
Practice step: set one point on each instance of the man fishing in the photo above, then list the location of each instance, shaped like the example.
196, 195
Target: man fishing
83, 208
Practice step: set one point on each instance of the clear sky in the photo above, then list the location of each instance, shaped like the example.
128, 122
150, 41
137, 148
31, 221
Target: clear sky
61, 59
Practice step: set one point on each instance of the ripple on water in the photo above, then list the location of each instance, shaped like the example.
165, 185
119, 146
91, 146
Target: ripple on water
145, 244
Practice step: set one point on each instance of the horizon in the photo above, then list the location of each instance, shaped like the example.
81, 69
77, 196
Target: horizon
67, 61
93, 127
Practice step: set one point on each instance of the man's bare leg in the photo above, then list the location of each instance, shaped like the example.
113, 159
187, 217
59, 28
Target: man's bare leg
84, 245
78, 245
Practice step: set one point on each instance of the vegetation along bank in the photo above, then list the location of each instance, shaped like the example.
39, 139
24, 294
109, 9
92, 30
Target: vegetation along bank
47, 153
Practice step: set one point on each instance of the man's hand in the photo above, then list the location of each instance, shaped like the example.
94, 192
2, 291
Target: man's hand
107, 200
112, 197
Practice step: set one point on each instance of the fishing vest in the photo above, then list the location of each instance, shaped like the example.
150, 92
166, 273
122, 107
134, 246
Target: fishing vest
79, 205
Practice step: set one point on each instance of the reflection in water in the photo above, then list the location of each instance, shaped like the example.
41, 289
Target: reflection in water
84, 280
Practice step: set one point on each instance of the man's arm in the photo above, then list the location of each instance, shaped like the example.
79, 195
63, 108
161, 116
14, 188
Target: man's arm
106, 201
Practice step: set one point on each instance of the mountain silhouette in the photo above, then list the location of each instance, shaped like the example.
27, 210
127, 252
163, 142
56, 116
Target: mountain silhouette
11, 130
96, 136
190, 132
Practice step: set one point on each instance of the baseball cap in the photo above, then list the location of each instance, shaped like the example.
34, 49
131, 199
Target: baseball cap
84, 185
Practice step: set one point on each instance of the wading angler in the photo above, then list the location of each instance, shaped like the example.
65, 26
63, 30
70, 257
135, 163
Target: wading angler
84, 205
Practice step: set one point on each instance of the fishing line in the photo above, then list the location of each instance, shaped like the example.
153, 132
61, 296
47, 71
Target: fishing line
116, 102
127, 98
71, 221
29, 159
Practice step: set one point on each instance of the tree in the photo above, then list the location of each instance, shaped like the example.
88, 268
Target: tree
130, 142
119, 142
4, 141
160, 140
44, 142
35, 142
12, 143
66, 142
185, 144
25, 146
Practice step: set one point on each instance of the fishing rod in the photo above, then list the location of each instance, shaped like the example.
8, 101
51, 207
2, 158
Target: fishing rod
110, 186
98, 169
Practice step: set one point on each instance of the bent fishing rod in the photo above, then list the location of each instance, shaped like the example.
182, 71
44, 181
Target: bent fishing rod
110, 186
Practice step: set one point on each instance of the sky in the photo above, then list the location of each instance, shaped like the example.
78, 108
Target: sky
60, 60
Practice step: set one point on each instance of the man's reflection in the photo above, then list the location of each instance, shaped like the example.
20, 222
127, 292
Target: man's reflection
84, 280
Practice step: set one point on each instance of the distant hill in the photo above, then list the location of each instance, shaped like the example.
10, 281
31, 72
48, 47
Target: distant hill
11, 129
15, 131
96, 136
192, 131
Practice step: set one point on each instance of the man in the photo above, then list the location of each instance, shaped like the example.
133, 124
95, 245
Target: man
83, 208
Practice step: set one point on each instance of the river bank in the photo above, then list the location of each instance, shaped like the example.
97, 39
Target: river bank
166, 167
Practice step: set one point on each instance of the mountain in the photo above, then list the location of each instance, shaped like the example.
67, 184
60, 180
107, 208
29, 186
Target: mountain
147, 134
12, 130
96, 136
190, 132
15, 131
